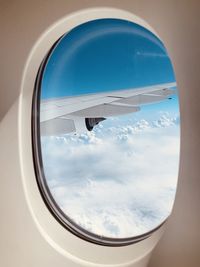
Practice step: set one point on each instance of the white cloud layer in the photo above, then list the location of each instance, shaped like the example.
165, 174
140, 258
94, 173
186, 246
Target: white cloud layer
116, 181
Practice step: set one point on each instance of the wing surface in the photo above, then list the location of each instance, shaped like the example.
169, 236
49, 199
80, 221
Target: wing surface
101, 105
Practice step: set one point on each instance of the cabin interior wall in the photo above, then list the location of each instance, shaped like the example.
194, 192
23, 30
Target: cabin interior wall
177, 23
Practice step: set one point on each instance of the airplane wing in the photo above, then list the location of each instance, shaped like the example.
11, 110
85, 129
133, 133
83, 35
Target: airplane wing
81, 113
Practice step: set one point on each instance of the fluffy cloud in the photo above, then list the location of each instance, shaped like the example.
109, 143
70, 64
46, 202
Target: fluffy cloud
116, 181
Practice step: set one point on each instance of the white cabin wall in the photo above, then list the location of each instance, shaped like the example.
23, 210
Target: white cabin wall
177, 22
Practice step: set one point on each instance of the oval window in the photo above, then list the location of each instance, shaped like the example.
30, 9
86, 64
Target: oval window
106, 131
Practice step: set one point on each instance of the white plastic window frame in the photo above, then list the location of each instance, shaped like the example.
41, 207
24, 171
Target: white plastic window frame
62, 240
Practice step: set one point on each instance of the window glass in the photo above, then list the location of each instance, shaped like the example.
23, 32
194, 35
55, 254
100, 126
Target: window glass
108, 124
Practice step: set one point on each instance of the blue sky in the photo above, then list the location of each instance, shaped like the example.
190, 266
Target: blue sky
104, 55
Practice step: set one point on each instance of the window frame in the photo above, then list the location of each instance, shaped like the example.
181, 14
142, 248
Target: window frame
45, 192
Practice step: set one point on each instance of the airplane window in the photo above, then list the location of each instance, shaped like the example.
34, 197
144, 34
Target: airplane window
106, 130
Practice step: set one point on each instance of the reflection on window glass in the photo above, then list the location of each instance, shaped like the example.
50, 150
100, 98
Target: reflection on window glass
109, 128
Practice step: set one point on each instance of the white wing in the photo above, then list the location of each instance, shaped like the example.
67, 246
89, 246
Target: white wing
64, 115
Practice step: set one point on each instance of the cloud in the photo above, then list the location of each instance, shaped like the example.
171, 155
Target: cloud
116, 181
165, 121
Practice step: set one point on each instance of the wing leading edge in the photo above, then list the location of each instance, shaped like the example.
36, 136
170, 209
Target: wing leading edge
70, 114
